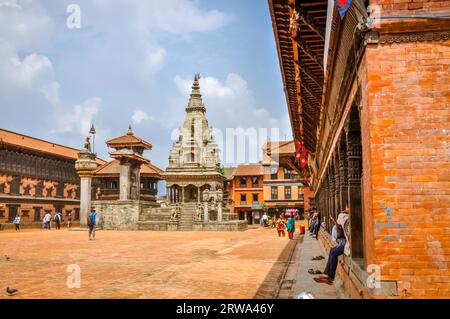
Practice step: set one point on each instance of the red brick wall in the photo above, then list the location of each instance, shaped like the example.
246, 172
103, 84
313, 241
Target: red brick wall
407, 112
416, 7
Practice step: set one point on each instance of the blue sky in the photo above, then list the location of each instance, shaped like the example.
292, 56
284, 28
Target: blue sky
132, 62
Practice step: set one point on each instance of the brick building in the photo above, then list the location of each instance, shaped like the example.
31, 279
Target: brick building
247, 192
369, 98
36, 177
283, 188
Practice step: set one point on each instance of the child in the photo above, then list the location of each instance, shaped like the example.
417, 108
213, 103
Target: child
280, 227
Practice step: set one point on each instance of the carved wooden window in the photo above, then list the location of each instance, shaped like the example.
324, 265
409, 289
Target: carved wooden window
243, 182
274, 192
287, 192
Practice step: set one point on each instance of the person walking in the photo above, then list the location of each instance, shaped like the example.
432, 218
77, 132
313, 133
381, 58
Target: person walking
57, 220
291, 226
47, 220
281, 225
264, 220
92, 223
317, 226
69, 220
17, 222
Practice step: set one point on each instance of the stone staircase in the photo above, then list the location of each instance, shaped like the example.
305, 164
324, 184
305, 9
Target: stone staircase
187, 216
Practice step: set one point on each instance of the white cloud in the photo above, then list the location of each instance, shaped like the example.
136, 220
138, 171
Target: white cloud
80, 119
155, 59
171, 16
51, 92
140, 116
10, 4
32, 68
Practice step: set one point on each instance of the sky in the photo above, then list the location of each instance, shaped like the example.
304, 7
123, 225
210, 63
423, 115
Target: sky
133, 62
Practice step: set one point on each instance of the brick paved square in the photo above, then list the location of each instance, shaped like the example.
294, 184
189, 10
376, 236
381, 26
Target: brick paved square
143, 264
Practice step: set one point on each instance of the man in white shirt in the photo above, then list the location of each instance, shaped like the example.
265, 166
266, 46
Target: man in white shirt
17, 222
264, 219
47, 220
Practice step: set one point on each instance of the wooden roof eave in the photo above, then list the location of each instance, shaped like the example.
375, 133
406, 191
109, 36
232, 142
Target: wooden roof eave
283, 71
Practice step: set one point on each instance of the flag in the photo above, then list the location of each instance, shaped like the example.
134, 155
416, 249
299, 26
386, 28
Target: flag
343, 6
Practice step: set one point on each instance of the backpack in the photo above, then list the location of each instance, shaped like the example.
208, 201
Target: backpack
91, 218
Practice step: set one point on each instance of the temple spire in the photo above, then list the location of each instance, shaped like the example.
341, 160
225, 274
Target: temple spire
130, 130
195, 101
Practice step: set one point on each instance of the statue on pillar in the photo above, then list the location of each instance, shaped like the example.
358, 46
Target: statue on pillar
87, 144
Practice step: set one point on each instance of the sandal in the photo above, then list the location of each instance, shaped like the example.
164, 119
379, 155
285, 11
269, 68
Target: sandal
323, 280
318, 258
317, 272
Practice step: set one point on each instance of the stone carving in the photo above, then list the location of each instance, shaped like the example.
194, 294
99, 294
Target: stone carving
175, 214
414, 37
198, 213
213, 195
87, 144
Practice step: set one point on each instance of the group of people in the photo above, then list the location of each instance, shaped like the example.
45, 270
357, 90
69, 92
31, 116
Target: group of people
283, 223
57, 219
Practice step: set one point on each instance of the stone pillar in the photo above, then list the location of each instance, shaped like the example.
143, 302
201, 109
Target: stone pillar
167, 194
85, 166
343, 172
205, 212
182, 194
219, 212
198, 195
337, 186
135, 182
85, 199
125, 184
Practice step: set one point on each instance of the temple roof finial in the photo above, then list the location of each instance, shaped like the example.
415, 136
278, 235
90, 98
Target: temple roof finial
130, 130
195, 102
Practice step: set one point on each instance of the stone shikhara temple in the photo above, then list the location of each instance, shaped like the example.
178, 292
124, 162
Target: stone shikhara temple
195, 183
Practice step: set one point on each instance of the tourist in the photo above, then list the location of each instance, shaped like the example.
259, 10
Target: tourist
333, 231
291, 226
47, 220
69, 219
92, 222
274, 221
58, 220
17, 222
317, 226
281, 225
264, 220
335, 252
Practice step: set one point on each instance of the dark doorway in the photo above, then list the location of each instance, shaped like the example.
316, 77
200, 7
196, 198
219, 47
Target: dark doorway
13, 209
